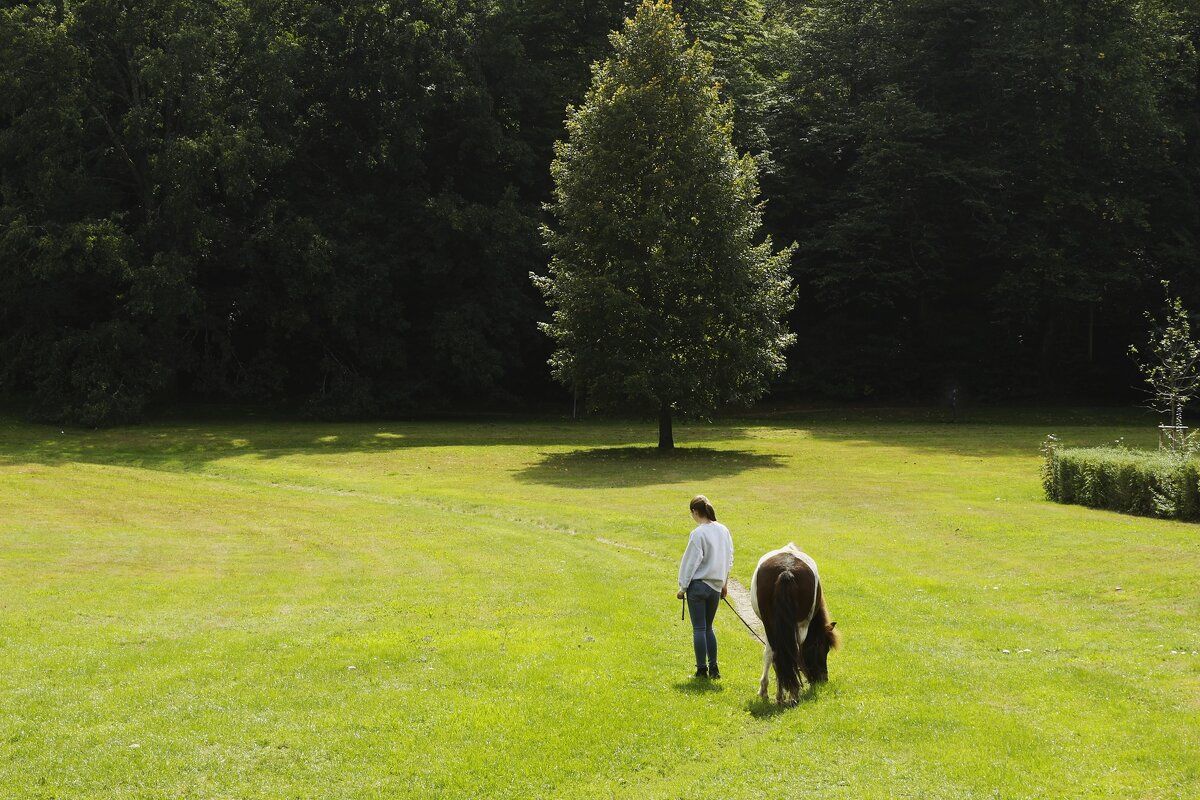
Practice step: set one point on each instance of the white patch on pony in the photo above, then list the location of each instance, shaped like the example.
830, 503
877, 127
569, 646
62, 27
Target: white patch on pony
768, 656
754, 593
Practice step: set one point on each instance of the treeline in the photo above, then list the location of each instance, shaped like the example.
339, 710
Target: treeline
337, 203
987, 193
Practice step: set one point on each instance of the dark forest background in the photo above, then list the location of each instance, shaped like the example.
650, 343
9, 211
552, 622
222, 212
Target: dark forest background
336, 204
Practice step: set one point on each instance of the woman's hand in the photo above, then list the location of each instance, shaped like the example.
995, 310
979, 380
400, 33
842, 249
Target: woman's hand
724, 591
680, 595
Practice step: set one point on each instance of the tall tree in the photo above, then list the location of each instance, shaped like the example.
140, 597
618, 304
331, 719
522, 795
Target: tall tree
665, 295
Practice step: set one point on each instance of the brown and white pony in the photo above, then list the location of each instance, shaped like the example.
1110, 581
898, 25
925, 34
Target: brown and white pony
786, 595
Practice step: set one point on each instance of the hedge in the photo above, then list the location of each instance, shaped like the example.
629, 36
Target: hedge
1143, 482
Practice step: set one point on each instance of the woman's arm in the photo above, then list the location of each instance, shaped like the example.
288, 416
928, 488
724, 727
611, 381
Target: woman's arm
692, 557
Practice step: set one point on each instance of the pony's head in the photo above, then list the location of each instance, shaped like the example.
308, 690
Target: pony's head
821, 639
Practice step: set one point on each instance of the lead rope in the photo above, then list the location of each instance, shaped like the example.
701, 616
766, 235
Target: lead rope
753, 632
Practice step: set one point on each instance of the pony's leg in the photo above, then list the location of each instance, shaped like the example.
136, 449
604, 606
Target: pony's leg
768, 656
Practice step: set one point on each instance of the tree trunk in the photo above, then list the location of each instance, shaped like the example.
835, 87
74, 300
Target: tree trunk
666, 437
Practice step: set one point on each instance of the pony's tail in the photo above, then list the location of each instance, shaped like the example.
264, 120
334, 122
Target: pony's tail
782, 634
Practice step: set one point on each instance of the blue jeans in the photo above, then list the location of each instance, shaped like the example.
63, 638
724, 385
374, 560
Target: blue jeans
702, 602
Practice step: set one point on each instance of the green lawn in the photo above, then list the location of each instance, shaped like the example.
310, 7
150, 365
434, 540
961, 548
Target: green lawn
486, 609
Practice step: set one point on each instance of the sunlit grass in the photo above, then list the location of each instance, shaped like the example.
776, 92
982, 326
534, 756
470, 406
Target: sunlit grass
269, 609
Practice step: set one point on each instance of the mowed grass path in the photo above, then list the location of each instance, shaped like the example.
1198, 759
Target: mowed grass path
486, 609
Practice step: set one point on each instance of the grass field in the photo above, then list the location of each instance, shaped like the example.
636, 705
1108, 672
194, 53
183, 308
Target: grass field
486, 609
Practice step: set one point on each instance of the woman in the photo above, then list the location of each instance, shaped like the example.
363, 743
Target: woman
703, 579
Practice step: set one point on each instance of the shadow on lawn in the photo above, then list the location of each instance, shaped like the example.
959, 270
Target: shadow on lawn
604, 455
958, 440
977, 441
765, 709
191, 446
608, 467
977, 432
698, 686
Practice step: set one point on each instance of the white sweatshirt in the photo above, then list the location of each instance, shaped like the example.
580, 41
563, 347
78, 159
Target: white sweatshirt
708, 557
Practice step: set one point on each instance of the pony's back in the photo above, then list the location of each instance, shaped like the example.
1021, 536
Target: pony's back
785, 591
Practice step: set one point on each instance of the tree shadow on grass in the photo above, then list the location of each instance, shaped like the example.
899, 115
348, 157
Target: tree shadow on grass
191, 447
609, 467
184, 446
977, 432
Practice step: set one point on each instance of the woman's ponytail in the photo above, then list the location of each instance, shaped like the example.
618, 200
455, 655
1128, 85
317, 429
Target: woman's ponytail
701, 506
